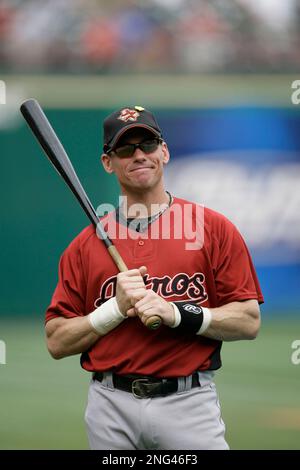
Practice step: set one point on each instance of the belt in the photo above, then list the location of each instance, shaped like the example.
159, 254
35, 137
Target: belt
146, 387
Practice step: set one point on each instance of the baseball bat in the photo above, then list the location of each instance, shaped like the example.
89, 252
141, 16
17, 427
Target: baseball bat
43, 131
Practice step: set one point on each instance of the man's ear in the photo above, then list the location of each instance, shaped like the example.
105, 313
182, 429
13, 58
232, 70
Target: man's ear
107, 163
166, 153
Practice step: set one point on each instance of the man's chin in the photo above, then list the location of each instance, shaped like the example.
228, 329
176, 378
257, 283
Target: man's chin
143, 183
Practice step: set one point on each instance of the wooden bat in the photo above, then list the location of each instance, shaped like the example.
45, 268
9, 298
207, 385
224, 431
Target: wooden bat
43, 131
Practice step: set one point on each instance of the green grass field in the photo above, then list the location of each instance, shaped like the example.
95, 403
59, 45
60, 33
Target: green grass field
43, 401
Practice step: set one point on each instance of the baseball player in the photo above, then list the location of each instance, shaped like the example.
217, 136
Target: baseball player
152, 389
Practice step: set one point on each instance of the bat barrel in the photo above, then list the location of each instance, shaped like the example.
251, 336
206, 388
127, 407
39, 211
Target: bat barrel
57, 155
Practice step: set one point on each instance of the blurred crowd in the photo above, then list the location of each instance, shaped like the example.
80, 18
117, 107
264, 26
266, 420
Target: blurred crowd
109, 36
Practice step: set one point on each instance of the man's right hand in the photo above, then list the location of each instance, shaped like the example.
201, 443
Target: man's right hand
130, 288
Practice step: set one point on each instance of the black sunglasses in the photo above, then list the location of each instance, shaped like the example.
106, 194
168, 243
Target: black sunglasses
127, 150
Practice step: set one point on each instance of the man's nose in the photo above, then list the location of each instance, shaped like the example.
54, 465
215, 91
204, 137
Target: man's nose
139, 154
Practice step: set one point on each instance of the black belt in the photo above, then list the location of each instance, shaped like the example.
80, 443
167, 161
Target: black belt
145, 387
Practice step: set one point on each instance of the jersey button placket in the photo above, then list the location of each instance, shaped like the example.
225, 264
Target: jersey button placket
143, 248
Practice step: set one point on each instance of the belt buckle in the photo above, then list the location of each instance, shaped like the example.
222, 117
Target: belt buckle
139, 388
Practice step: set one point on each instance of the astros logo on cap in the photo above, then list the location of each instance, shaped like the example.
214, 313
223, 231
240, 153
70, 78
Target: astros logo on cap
128, 115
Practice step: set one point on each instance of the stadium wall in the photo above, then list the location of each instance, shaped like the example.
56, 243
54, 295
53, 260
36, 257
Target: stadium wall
237, 153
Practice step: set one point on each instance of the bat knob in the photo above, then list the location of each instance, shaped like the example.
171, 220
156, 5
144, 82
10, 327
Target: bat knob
153, 322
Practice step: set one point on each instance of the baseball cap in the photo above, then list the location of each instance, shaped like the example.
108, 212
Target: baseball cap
117, 123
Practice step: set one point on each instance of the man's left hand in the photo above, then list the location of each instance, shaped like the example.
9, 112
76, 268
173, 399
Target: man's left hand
152, 304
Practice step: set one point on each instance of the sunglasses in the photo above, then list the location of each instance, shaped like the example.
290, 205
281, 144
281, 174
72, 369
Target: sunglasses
127, 150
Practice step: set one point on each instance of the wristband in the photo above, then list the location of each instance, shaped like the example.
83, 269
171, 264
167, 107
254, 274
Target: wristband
191, 318
207, 318
106, 317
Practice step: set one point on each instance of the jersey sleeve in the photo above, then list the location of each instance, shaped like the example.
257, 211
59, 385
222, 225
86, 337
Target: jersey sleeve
68, 297
235, 276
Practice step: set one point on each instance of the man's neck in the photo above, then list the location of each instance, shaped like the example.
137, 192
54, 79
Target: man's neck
145, 204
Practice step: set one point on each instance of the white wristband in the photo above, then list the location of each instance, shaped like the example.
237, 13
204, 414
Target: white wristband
177, 315
207, 318
106, 317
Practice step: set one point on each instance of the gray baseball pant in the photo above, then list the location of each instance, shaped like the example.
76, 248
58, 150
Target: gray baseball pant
189, 419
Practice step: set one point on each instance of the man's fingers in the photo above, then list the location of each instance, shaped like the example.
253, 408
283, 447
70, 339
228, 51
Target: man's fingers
142, 270
132, 281
131, 312
137, 294
146, 298
130, 273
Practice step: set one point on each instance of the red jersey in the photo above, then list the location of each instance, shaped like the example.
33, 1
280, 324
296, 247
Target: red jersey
213, 269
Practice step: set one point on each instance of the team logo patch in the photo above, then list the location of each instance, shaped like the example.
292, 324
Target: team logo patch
192, 308
128, 115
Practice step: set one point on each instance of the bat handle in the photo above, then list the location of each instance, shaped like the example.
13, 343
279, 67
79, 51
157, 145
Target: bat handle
153, 322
